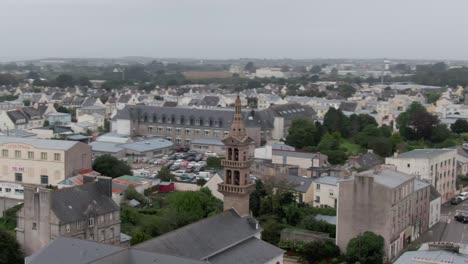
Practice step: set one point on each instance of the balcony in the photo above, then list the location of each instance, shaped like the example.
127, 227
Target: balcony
236, 164
227, 188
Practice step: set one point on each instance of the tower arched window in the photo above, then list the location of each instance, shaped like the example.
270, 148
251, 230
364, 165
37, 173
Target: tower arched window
236, 177
228, 177
155, 118
145, 117
236, 154
163, 119
229, 153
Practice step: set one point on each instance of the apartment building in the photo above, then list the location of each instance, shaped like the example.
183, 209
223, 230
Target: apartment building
85, 212
438, 166
38, 162
380, 201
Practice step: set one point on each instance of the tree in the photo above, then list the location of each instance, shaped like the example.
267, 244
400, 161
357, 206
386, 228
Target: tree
131, 193
367, 248
10, 250
432, 98
64, 80
111, 166
272, 231
249, 67
346, 90
416, 123
316, 69
256, 197
33, 75
84, 81
201, 182
460, 126
303, 133
335, 121
330, 146
359, 122
138, 237
440, 133
213, 162
27, 102
165, 174
316, 251
8, 79
46, 123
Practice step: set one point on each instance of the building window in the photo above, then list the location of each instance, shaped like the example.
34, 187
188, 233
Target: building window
317, 199
91, 221
18, 154
44, 179
18, 177
408, 165
197, 132
216, 133
57, 156
67, 228
43, 155
30, 155
150, 129
8, 190
34, 226
102, 236
111, 216
178, 141
207, 133
169, 130
5, 152
187, 131
318, 186
111, 235
159, 130
187, 142
177, 131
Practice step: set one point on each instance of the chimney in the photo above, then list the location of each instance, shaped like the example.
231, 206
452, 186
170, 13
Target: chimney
252, 222
105, 185
88, 179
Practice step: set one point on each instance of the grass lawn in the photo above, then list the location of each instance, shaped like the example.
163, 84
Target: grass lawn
351, 148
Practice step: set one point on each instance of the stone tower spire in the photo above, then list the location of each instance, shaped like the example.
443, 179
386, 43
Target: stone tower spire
237, 185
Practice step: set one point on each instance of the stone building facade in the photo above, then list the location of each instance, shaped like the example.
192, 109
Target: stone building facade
85, 212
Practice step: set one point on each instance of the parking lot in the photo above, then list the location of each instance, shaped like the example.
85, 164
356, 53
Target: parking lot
187, 166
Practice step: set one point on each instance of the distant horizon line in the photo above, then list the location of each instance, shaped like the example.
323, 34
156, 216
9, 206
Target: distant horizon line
16, 59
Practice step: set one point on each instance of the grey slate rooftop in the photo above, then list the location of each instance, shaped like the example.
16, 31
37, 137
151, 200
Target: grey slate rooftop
39, 143
388, 177
328, 180
147, 144
72, 204
253, 250
202, 239
423, 153
300, 184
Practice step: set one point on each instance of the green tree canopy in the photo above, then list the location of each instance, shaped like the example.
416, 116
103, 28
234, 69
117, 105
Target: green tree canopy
302, 133
460, 126
359, 122
165, 174
109, 165
64, 80
367, 248
336, 121
416, 123
10, 250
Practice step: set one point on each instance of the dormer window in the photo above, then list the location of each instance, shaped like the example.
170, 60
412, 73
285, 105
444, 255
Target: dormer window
91, 222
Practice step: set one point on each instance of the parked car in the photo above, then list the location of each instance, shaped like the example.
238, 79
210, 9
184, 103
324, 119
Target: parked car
211, 154
463, 195
199, 168
190, 158
456, 200
203, 174
178, 162
198, 157
174, 167
169, 163
461, 218
178, 172
189, 170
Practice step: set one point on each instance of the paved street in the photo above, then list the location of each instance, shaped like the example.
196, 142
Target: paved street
448, 229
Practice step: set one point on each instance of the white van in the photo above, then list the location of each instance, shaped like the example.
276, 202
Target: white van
203, 174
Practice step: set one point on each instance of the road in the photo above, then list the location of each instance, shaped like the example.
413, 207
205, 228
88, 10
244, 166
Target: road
448, 229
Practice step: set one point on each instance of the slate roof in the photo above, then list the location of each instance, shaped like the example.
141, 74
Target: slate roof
210, 101
331, 219
40, 143
251, 119
204, 238
368, 160
134, 256
31, 112
78, 100
420, 184
58, 96
348, 106
124, 98
73, 204
435, 256
328, 180
423, 153
253, 250
170, 104
109, 147
292, 110
72, 251
89, 101
300, 184
208, 141
147, 145
388, 177
16, 115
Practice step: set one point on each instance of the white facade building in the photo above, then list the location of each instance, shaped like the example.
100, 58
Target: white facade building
438, 166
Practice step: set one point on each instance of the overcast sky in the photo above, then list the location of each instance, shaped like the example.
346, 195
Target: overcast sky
406, 29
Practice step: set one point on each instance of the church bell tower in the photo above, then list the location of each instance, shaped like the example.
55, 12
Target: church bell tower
237, 185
